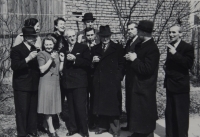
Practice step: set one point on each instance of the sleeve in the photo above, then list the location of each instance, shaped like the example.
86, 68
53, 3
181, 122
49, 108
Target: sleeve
16, 62
121, 62
149, 64
18, 40
85, 59
187, 59
41, 59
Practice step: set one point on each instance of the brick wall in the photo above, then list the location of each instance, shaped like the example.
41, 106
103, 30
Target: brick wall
105, 13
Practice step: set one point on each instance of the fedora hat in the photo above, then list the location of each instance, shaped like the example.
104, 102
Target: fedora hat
28, 31
88, 16
146, 25
104, 31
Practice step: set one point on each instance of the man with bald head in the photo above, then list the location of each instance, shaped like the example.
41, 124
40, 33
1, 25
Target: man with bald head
180, 57
74, 81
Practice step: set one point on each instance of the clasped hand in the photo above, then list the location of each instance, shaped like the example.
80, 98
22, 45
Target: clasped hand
131, 56
95, 59
71, 57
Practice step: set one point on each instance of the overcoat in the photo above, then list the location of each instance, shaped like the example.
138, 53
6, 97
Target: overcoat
107, 77
143, 112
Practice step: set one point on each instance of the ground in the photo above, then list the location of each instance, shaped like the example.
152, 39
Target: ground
7, 125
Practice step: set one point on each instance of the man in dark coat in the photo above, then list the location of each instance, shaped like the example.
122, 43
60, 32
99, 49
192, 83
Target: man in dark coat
90, 35
25, 83
180, 57
88, 21
74, 81
108, 61
130, 47
145, 60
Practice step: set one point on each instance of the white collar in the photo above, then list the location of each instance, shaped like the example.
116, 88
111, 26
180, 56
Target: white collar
135, 38
146, 40
177, 43
27, 45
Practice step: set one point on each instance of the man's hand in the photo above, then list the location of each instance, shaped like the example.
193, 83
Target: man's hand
31, 56
96, 59
172, 49
71, 57
131, 56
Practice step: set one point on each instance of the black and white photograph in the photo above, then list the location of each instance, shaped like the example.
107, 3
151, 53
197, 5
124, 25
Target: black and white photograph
99, 68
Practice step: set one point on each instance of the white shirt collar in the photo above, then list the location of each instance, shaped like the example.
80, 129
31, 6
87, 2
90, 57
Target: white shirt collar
177, 43
135, 38
27, 45
146, 40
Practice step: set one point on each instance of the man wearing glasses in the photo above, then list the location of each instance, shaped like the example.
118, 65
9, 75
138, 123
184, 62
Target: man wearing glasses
88, 20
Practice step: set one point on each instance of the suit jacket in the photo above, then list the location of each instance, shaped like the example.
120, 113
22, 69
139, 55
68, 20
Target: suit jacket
25, 75
107, 77
177, 68
75, 73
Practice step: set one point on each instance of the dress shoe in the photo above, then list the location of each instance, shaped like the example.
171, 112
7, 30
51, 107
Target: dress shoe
124, 128
70, 133
53, 134
100, 131
87, 135
32, 135
116, 136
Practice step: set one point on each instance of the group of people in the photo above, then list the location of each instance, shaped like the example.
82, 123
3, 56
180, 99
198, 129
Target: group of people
86, 69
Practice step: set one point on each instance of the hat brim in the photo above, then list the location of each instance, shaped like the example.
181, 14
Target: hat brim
104, 35
149, 31
88, 19
29, 35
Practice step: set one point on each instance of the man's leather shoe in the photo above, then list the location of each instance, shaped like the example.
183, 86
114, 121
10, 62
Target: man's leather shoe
85, 135
124, 128
100, 131
70, 133
53, 134
33, 135
116, 136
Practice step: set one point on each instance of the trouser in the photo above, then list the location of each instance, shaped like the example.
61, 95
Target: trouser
77, 101
177, 114
26, 111
92, 119
110, 123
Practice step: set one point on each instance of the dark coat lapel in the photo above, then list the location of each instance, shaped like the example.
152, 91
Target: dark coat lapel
111, 48
132, 46
74, 48
179, 47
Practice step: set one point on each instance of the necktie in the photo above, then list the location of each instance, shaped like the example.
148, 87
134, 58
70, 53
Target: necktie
104, 48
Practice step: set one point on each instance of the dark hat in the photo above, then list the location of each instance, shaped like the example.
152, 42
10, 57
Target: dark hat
28, 31
104, 31
146, 25
88, 16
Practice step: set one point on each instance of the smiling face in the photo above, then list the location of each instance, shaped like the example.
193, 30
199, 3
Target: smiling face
132, 30
175, 33
48, 46
37, 27
60, 26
